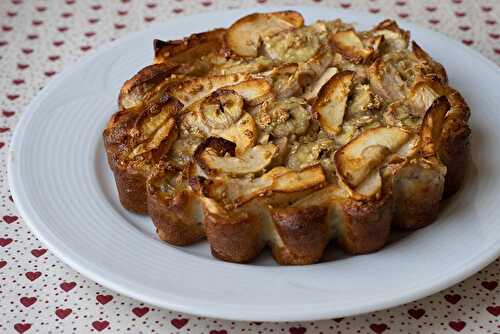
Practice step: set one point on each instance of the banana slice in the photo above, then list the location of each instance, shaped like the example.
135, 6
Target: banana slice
221, 109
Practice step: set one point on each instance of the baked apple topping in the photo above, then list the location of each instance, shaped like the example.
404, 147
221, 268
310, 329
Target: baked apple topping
273, 133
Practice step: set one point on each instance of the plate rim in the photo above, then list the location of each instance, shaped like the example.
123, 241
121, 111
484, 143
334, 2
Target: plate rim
30, 216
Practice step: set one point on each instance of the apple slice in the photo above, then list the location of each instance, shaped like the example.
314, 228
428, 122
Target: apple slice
239, 191
190, 91
386, 81
313, 90
349, 45
298, 181
134, 90
331, 103
165, 132
327, 196
254, 91
424, 93
243, 133
282, 79
212, 157
245, 35
189, 49
396, 38
427, 60
371, 186
356, 160
432, 126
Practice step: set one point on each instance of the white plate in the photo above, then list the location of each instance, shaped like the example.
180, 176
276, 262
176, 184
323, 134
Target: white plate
64, 190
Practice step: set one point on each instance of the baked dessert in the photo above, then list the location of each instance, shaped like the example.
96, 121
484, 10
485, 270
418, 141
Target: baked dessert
275, 133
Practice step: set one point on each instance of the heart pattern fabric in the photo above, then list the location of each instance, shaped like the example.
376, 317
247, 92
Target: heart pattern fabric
38, 39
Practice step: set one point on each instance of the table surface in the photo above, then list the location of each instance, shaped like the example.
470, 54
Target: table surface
40, 294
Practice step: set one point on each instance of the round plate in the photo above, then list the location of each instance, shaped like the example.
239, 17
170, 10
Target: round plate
65, 191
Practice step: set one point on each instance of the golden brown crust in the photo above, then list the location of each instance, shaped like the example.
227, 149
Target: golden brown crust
130, 182
174, 218
232, 238
454, 153
432, 127
303, 234
459, 107
131, 185
188, 49
364, 226
135, 89
453, 150
436, 68
131, 173
417, 190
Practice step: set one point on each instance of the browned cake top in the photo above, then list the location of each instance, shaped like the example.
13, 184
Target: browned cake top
271, 105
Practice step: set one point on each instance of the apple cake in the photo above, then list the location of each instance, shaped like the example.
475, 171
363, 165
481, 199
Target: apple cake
275, 133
